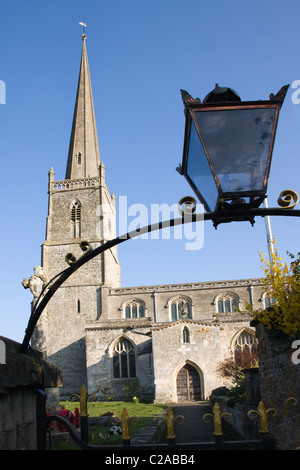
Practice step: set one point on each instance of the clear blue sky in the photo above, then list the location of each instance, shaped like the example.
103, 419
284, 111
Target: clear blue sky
141, 53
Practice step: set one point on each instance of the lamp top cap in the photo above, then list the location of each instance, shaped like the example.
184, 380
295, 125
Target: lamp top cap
221, 95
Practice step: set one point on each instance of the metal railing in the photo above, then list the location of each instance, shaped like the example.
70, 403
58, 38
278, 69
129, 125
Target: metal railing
218, 441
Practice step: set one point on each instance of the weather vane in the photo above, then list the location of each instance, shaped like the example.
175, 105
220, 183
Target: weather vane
83, 26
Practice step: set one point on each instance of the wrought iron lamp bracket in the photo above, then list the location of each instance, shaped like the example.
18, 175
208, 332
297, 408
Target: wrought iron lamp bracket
287, 199
189, 216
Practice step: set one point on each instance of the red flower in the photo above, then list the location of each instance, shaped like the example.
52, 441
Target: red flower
68, 415
50, 424
77, 421
108, 413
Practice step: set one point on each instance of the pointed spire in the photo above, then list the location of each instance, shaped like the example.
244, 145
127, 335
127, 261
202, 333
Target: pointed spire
83, 158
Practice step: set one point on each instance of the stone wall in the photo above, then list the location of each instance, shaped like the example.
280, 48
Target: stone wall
246, 427
278, 388
203, 298
280, 380
21, 376
209, 344
100, 340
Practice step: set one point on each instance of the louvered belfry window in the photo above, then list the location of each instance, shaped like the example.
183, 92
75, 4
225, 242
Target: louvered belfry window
76, 219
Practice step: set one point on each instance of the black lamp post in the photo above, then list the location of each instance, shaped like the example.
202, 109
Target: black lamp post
228, 148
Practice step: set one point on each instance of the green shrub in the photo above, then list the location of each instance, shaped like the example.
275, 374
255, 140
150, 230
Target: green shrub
132, 390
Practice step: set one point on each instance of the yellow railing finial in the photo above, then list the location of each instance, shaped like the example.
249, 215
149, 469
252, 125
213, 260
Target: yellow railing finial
125, 421
83, 398
170, 419
217, 419
262, 412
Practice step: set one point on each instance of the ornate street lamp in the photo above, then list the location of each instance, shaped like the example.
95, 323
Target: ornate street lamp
228, 148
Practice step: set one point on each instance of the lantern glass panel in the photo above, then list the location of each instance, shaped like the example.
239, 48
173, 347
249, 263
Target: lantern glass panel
238, 142
199, 171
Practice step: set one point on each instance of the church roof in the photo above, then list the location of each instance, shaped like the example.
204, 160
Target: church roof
83, 158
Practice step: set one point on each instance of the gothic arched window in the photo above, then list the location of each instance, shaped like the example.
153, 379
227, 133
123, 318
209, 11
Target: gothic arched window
76, 219
268, 301
134, 309
227, 303
180, 306
124, 360
245, 349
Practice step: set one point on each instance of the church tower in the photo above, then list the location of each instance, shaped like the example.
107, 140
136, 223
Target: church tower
80, 208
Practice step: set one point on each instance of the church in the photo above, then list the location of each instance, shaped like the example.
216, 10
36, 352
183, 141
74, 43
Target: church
168, 339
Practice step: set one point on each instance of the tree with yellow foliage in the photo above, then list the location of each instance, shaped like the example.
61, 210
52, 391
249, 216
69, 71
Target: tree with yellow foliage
282, 284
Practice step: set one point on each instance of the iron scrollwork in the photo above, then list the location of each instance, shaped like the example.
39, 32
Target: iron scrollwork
189, 205
74, 264
288, 199
86, 248
286, 403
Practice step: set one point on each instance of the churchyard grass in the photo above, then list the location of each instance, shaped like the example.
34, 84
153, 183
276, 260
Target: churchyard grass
145, 411
97, 409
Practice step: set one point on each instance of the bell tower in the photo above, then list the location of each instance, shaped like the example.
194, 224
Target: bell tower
80, 208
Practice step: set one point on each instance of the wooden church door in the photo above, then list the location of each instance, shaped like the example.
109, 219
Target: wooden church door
188, 384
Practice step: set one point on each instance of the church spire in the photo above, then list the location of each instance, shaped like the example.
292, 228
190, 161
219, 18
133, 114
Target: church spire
83, 158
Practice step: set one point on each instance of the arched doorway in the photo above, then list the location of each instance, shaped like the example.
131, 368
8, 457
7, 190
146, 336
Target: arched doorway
188, 384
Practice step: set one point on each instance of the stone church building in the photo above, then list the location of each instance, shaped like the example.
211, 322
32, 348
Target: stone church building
171, 338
